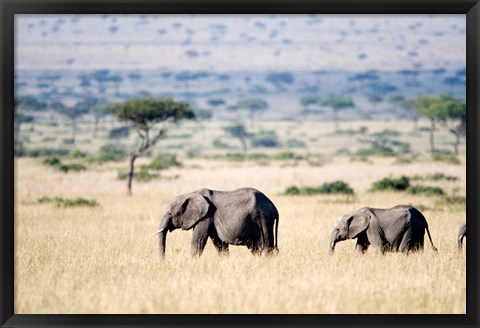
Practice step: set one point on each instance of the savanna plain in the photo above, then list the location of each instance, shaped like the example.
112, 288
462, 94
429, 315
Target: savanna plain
104, 258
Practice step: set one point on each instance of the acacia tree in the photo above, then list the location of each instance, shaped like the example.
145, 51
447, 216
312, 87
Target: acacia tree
452, 115
337, 103
73, 113
252, 105
406, 104
423, 106
307, 101
21, 106
143, 114
238, 131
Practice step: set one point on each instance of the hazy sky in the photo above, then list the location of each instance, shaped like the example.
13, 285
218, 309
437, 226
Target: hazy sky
240, 42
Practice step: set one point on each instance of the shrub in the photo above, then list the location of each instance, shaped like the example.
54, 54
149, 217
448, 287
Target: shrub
445, 156
61, 202
219, 144
268, 139
386, 133
163, 161
111, 152
401, 183
142, 175
337, 187
75, 153
284, 155
41, 152
68, 141
121, 132
425, 190
295, 143
56, 163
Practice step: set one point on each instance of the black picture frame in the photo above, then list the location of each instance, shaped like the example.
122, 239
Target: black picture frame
8, 8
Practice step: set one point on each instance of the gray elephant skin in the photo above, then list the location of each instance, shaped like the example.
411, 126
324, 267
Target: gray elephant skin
240, 217
461, 234
400, 228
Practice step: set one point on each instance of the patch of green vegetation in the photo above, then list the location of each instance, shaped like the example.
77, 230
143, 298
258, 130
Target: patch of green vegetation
267, 139
40, 152
336, 187
75, 154
399, 184
111, 152
120, 132
69, 202
163, 161
295, 143
346, 132
219, 144
56, 163
141, 175
68, 141
284, 155
425, 190
386, 133
437, 176
446, 157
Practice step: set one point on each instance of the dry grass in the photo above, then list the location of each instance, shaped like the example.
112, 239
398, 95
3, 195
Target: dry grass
105, 260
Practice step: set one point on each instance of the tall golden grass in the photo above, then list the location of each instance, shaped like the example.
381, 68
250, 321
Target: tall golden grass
104, 259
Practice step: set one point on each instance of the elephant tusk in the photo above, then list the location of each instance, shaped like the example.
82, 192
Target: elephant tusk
156, 233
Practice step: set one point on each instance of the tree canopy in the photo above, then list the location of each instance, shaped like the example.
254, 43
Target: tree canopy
142, 113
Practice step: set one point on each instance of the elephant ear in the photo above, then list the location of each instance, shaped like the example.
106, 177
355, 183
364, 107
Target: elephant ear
357, 223
194, 208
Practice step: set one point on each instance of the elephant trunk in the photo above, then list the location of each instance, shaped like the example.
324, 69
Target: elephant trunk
331, 245
162, 235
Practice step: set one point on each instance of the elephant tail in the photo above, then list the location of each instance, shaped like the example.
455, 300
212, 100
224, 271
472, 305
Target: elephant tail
430, 237
275, 238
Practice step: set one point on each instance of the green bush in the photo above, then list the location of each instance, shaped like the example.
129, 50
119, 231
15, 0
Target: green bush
268, 139
111, 152
425, 190
141, 175
284, 155
75, 153
337, 187
41, 152
401, 183
61, 202
56, 163
437, 176
295, 143
163, 161
219, 144
386, 133
120, 132
446, 157
68, 141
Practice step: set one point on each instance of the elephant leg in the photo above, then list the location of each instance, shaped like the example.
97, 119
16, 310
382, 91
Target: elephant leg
220, 246
410, 243
362, 243
267, 237
199, 237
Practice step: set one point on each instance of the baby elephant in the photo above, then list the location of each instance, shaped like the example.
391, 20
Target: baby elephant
400, 228
461, 234
241, 217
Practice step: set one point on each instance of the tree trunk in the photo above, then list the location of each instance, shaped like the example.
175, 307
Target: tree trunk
335, 117
244, 145
133, 157
432, 136
74, 130
456, 143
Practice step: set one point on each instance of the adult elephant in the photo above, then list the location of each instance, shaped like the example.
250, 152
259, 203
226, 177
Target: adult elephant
461, 234
240, 217
400, 228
